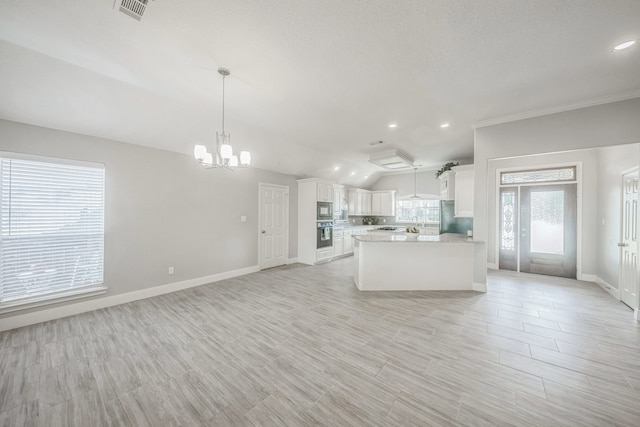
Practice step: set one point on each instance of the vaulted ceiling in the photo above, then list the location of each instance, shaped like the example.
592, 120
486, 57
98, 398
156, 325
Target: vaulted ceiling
313, 83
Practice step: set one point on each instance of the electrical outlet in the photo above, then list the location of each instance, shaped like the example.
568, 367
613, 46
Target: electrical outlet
243, 218
170, 270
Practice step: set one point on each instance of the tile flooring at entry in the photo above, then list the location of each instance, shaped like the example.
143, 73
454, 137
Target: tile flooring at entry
301, 345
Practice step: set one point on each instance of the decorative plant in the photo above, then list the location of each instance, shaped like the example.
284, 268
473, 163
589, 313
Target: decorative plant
446, 167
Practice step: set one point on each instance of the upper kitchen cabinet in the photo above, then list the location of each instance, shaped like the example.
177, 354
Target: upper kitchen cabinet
324, 192
463, 206
365, 202
321, 190
457, 184
447, 185
383, 203
359, 201
339, 196
464, 191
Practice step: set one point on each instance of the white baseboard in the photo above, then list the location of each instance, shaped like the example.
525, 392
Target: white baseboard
292, 260
492, 266
587, 277
480, 287
46, 315
607, 287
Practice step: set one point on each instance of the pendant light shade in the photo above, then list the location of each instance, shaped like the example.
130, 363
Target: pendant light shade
224, 157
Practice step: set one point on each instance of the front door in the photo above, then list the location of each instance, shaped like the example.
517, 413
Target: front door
538, 224
629, 240
274, 225
548, 230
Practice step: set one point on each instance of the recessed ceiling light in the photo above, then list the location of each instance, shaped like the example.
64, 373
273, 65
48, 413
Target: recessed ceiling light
393, 125
336, 168
353, 173
366, 176
444, 125
623, 46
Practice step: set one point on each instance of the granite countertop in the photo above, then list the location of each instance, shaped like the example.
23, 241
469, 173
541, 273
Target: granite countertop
347, 226
442, 238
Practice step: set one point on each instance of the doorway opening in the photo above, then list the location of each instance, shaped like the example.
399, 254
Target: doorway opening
538, 221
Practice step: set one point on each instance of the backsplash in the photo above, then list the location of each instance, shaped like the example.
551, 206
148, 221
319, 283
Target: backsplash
449, 223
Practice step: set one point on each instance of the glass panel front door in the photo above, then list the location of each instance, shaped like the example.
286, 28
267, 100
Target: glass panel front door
538, 229
548, 230
547, 222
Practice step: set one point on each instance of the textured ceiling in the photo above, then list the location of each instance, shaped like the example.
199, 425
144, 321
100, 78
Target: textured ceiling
312, 82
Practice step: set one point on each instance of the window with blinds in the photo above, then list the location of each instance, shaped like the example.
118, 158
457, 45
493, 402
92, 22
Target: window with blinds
51, 228
418, 210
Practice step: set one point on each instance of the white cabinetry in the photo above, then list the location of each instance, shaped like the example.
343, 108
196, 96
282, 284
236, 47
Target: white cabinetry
359, 202
365, 202
324, 254
457, 185
342, 243
339, 198
383, 203
348, 243
447, 185
310, 192
338, 243
324, 192
463, 191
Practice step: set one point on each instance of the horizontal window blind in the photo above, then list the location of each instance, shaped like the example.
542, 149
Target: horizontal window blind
418, 210
51, 228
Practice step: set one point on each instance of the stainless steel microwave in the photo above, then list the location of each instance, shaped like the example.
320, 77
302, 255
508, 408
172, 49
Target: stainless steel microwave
325, 210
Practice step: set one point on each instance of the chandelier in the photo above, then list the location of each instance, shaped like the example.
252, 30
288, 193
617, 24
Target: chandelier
224, 157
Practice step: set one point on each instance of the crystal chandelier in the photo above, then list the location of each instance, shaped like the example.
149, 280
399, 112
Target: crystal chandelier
224, 157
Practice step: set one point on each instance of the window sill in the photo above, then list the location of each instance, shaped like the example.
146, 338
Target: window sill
38, 301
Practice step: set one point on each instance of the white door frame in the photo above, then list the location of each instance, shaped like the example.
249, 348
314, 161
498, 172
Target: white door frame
261, 185
578, 166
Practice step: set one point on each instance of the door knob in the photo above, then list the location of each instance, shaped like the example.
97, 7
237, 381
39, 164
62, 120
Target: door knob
622, 245
263, 231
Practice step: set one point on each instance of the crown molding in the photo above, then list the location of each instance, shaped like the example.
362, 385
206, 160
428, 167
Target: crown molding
557, 109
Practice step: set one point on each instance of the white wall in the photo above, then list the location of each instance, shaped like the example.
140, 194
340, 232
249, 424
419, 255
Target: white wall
612, 162
162, 209
589, 185
610, 124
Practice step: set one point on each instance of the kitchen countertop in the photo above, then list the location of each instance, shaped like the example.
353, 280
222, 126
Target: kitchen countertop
377, 226
397, 237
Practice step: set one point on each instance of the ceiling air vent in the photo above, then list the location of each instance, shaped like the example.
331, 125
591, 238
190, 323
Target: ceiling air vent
134, 8
391, 159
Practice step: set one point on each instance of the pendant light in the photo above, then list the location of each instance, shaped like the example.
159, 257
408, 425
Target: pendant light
415, 185
224, 157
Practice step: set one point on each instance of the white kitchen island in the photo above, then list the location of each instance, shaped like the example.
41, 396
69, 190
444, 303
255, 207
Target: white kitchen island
398, 263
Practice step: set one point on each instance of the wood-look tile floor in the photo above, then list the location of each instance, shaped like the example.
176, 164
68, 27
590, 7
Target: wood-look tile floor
300, 345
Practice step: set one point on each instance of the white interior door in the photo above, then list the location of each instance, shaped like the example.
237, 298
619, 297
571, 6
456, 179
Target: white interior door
629, 241
274, 225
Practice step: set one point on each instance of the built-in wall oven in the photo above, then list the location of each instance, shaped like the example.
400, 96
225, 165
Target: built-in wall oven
324, 234
325, 211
